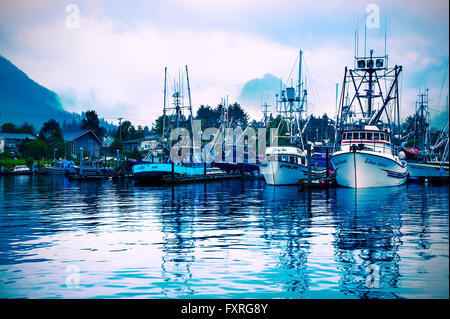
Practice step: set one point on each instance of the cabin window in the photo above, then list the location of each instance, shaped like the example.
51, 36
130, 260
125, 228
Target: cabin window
344, 137
376, 136
362, 136
303, 161
369, 136
291, 159
388, 138
349, 136
382, 137
355, 136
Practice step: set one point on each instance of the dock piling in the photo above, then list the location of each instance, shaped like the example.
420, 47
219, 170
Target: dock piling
81, 161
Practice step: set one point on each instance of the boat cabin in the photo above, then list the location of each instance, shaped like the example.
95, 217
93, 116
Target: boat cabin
369, 140
286, 154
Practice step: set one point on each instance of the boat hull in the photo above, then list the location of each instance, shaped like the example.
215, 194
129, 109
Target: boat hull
421, 170
54, 171
283, 173
154, 172
365, 169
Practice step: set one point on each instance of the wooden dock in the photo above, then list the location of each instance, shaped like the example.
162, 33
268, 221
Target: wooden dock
200, 178
88, 177
323, 182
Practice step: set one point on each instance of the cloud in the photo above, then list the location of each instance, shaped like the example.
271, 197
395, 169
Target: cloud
115, 61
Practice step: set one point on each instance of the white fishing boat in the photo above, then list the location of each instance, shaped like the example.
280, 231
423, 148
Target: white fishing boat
366, 152
150, 172
288, 164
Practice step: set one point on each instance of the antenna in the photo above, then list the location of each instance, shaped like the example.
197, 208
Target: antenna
385, 31
120, 128
357, 37
365, 33
337, 90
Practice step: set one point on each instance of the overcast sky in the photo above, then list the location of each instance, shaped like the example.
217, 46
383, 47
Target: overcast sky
114, 61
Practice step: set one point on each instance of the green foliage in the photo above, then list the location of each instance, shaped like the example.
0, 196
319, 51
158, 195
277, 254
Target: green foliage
115, 145
237, 116
129, 132
50, 129
134, 154
91, 122
208, 116
34, 149
12, 128
9, 164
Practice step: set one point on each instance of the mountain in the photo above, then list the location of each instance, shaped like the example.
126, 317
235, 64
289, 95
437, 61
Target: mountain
24, 100
257, 90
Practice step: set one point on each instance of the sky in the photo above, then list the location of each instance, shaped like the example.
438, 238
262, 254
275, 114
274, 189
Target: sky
112, 58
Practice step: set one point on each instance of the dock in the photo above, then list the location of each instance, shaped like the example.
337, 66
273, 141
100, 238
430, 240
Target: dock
322, 182
200, 178
88, 177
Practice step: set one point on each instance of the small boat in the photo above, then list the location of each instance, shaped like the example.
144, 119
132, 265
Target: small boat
60, 168
21, 170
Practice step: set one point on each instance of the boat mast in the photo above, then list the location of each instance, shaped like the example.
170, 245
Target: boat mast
190, 111
164, 110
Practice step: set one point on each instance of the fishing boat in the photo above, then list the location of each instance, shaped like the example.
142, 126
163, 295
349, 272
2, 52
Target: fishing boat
322, 153
427, 161
60, 168
287, 163
366, 150
150, 172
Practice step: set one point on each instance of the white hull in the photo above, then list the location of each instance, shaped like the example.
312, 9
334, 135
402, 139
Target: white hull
282, 173
419, 170
363, 169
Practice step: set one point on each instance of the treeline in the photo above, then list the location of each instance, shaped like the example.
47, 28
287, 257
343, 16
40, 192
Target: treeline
209, 117
49, 142
415, 125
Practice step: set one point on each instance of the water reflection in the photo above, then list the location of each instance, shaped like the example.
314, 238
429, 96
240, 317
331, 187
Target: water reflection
368, 234
230, 239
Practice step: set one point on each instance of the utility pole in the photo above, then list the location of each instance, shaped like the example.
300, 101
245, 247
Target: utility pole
120, 128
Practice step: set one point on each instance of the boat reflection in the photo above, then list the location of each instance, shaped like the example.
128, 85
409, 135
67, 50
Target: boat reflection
367, 240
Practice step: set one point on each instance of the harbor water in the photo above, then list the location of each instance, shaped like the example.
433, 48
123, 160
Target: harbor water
229, 239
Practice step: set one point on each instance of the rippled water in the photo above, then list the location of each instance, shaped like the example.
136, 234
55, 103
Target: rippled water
231, 239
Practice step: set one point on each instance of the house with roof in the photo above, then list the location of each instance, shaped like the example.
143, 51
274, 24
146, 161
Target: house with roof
142, 144
11, 141
85, 139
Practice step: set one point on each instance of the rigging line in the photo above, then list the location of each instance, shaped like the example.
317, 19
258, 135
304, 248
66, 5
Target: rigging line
434, 108
444, 81
292, 69
323, 72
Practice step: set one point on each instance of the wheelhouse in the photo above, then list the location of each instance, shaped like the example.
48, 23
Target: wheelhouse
286, 155
369, 140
